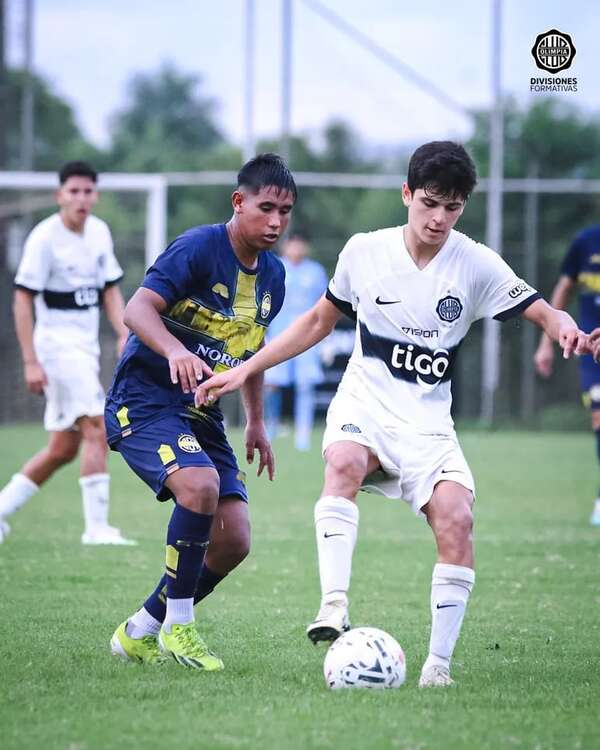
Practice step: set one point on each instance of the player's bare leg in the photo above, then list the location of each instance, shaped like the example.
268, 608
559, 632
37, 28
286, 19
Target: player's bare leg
94, 482
61, 449
229, 540
336, 524
595, 517
449, 513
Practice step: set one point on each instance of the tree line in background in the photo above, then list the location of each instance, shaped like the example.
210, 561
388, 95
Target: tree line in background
169, 124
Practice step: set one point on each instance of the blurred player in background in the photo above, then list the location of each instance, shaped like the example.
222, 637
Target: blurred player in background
206, 302
67, 271
580, 268
305, 282
414, 292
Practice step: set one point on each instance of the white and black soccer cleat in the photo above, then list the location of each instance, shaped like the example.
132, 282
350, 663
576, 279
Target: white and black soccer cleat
330, 622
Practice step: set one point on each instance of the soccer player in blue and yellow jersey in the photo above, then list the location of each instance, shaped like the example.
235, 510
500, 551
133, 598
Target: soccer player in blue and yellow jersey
204, 305
580, 268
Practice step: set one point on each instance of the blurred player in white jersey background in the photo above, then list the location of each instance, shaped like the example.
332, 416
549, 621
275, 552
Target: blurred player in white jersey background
414, 291
305, 282
67, 271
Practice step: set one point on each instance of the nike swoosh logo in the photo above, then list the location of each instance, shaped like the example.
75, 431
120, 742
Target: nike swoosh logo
444, 606
380, 301
450, 471
326, 535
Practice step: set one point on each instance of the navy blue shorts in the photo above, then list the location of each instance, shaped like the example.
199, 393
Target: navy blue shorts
589, 375
174, 442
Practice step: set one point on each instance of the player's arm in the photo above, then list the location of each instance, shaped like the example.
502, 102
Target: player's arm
561, 296
305, 332
142, 316
114, 305
559, 326
256, 434
35, 377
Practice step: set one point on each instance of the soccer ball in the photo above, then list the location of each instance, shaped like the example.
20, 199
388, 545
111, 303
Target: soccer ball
364, 658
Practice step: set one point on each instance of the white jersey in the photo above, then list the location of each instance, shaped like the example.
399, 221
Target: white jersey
68, 272
410, 322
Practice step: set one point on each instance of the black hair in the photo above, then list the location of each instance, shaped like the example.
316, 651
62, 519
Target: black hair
77, 169
442, 168
266, 170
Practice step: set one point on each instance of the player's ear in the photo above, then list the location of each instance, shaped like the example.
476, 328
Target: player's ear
406, 195
237, 199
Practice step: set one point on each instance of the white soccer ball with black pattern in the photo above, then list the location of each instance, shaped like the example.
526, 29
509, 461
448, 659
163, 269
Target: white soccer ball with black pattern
364, 658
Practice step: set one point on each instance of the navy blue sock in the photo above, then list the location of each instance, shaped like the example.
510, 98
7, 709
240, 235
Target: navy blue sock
156, 603
187, 540
206, 583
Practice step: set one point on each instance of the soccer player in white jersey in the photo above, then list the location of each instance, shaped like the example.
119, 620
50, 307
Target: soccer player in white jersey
414, 291
67, 270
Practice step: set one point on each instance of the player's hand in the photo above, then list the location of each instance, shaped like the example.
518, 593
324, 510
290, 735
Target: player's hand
572, 341
210, 390
35, 377
256, 439
594, 344
543, 358
187, 369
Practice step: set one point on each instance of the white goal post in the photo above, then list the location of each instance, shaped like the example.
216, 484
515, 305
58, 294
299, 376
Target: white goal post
153, 185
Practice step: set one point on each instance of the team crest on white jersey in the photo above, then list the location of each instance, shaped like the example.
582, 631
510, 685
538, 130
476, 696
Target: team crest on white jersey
449, 308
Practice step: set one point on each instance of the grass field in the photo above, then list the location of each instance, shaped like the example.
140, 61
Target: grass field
527, 665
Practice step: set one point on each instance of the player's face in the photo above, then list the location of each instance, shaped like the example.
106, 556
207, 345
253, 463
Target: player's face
295, 250
76, 198
263, 217
431, 216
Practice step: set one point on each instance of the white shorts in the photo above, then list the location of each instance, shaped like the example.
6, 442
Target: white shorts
73, 391
411, 463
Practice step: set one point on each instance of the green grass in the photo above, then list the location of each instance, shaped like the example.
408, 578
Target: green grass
527, 665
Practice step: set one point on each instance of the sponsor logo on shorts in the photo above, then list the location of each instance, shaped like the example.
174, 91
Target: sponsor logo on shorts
188, 443
265, 305
350, 428
449, 309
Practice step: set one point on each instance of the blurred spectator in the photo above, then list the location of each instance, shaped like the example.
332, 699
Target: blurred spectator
305, 282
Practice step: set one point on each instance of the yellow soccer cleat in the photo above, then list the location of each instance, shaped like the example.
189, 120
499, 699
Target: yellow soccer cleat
143, 650
186, 646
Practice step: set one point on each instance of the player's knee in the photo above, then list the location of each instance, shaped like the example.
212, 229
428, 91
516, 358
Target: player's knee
92, 431
460, 519
346, 467
199, 494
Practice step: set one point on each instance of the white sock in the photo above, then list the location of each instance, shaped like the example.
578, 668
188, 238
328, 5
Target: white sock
142, 623
15, 494
179, 612
450, 589
336, 526
94, 495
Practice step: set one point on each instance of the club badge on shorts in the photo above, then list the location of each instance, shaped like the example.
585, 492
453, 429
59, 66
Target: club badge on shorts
188, 443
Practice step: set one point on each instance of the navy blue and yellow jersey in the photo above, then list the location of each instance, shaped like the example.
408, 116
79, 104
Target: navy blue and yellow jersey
582, 264
216, 307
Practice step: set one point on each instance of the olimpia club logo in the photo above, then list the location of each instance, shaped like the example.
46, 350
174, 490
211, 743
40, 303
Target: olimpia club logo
553, 51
